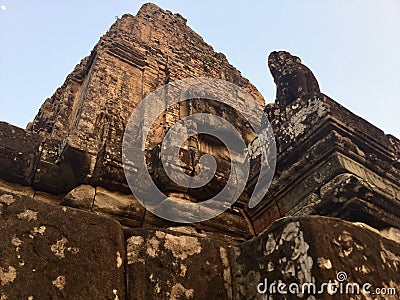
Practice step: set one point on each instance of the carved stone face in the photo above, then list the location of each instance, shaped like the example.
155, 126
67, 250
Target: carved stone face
278, 62
293, 79
278, 59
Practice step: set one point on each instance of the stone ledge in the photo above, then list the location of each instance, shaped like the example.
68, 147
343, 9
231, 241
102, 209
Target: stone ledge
19, 153
313, 250
318, 140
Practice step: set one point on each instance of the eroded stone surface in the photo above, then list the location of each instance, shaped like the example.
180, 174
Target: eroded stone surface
330, 162
314, 250
75, 140
174, 265
81, 197
86, 117
124, 208
19, 153
48, 252
293, 79
16, 189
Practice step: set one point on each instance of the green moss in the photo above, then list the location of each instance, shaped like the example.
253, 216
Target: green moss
208, 59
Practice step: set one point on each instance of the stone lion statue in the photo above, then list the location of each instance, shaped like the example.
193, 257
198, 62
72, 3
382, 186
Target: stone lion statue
293, 79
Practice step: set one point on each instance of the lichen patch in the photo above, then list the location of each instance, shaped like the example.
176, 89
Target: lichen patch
183, 270
7, 199
227, 270
290, 231
28, 214
59, 282
7, 276
152, 247
38, 230
270, 244
179, 291
362, 269
59, 248
134, 244
119, 260
347, 245
182, 246
324, 263
115, 293
16, 241
160, 234
298, 263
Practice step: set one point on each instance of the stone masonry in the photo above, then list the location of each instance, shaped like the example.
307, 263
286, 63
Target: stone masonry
71, 228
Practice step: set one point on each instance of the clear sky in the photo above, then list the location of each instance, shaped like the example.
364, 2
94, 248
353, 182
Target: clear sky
352, 46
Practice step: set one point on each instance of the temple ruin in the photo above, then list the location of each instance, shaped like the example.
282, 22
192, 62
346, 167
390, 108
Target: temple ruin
72, 229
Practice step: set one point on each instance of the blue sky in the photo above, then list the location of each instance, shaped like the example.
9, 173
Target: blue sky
351, 46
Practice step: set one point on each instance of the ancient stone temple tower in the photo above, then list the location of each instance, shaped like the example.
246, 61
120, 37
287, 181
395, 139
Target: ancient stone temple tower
71, 228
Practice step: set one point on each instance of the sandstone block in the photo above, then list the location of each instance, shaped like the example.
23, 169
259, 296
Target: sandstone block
313, 250
16, 189
19, 153
81, 197
164, 264
54, 252
124, 207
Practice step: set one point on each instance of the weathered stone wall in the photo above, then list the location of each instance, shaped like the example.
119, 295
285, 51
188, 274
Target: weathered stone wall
137, 55
54, 252
76, 138
73, 254
330, 161
314, 250
71, 229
